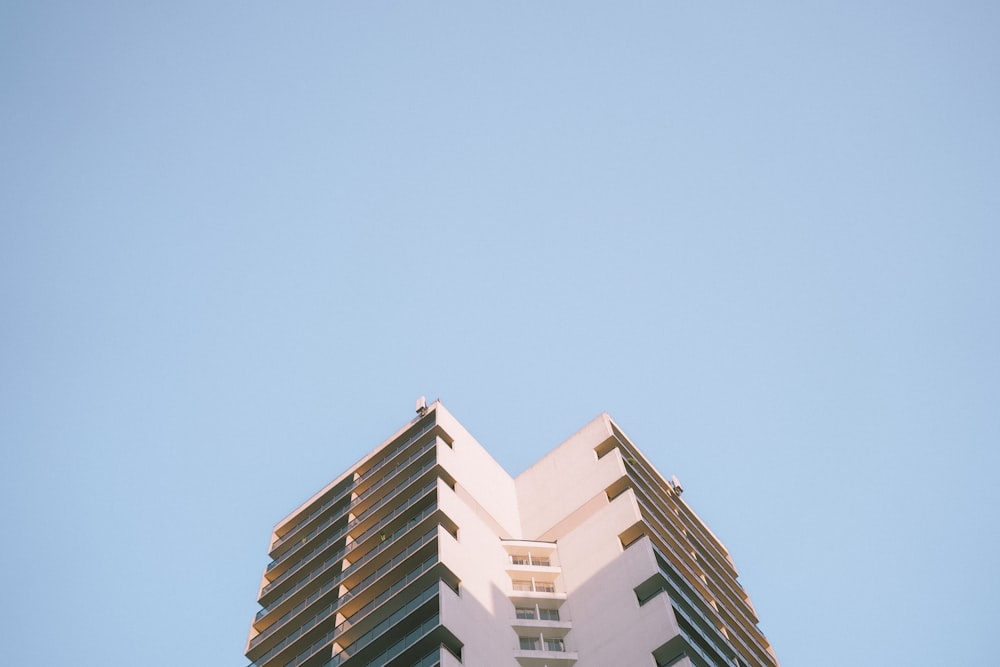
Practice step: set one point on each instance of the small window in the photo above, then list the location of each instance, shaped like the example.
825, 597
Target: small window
548, 614
545, 587
528, 643
521, 585
518, 559
527, 612
540, 560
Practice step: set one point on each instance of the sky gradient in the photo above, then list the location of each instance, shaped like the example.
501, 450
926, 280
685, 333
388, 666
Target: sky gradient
238, 239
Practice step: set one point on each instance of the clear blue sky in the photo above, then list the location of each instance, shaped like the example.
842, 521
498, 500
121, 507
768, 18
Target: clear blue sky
238, 239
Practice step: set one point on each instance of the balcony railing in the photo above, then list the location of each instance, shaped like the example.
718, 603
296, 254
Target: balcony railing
676, 589
432, 659
663, 533
535, 561
325, 613
691, 643
361, 538
542, 644
354, 503
678, 594
411, 638
368, 473
533, 586
370, 636
336, 581
715, 549
339, 555
649, 511
738, 630
710, 639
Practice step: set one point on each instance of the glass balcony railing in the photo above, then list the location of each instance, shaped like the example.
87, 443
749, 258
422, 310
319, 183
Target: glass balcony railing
676, 589
661, 531
397, 616
534, 561
715, 550
527, 586
541, 644
722, 582
339, 555
357, 501
556, 645
336, 581
327, 611
735, 635
406, 642
328, 637
368, 473
738, 633
384, 595
361, 538
715, 646
432, 659
699, 650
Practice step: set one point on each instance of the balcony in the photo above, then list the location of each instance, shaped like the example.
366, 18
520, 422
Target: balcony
543, 652
527, 658
408, 640
308, 557
525, 592
338, 556
531, 586
521, 568
327, 613
354, 505
341, 655
382, 570
289, 532
553, 628
530, 560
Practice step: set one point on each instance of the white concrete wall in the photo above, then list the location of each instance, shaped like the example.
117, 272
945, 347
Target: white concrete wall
609, 626
563, 499
565, 479
480, 478
479, 617
448, 660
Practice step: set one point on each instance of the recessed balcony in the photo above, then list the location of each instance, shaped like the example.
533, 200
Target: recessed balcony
532, 658
543, 649
526, 592
520, 598
290, 530
546, 571
553, 628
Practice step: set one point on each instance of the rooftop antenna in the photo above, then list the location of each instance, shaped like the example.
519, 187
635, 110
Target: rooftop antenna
676, 483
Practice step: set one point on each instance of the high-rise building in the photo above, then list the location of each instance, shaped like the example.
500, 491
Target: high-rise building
426, 552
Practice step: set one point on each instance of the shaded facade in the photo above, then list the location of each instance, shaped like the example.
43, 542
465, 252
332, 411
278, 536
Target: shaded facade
426, 552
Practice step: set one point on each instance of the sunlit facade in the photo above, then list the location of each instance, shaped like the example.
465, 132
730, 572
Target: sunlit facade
426, 552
